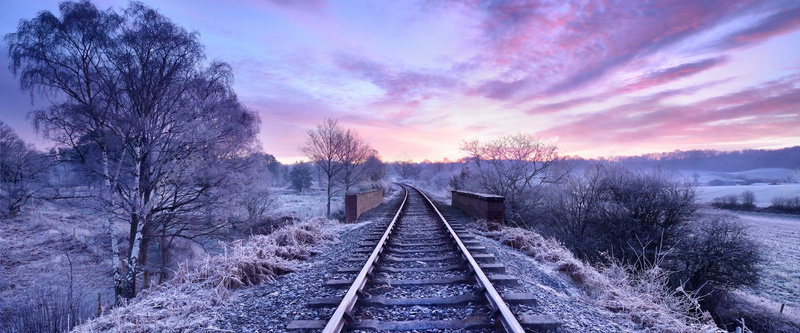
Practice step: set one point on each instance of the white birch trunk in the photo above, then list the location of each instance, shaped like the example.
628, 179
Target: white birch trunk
115, 260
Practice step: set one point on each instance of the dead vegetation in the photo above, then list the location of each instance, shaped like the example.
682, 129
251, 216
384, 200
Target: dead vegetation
187, 302
642, 295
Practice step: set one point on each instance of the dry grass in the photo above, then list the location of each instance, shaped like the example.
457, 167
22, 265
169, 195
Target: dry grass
187, 302
642, 296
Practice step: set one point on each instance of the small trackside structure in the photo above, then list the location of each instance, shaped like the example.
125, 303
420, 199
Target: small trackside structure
357, 204
480, 205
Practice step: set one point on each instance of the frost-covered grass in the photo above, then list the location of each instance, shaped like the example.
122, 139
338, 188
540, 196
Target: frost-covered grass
763, 174
641, 296
188, 302
40, 250
304, 205
780, 280
764, 193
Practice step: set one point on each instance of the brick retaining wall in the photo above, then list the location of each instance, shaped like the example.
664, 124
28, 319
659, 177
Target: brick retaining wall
479, 205
357, 204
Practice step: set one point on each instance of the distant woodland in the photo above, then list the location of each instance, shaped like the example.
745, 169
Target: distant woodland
714, 160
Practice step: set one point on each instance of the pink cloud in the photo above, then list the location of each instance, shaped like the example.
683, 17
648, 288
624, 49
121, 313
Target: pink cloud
779, 23
561, 47
767, 110
399, 85
674, 73
615, 91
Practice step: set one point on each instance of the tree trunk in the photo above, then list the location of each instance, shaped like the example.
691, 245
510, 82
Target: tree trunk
143, 260
115, 260
137, 224
329, 198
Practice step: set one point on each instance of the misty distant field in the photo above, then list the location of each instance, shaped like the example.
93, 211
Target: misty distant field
764, 193
780, 235
765, 175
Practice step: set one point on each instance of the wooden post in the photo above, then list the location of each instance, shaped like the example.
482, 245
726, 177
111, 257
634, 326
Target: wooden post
782, 305
99, 307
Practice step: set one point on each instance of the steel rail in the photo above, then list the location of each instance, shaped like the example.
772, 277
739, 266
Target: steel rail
507, 318
337, 321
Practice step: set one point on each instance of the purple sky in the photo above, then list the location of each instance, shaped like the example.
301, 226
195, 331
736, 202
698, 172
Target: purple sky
415, 78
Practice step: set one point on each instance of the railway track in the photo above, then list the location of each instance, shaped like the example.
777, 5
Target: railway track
421, 272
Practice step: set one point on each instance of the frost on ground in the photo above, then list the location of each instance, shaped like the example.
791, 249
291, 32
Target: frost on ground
189, 301
764, 193
304, 205
641, 298
47, 249
780, 281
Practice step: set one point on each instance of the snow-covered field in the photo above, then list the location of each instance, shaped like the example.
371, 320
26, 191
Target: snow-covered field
780, 235
764, 193
768, 175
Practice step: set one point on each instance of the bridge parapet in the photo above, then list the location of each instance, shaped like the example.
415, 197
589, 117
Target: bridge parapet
358, 203
480, 205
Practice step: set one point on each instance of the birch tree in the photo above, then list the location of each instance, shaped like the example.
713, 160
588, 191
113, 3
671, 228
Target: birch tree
135, 87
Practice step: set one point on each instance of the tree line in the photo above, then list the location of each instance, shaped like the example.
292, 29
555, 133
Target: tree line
714, 160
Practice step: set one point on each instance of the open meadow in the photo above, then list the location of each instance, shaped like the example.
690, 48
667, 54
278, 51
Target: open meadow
764, 193
780, 236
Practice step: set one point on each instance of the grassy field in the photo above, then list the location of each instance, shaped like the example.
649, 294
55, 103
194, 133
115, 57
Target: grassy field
767, 175
310, 203
780, 235
764, 193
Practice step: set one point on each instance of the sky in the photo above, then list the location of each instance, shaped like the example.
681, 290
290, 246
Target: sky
417, 78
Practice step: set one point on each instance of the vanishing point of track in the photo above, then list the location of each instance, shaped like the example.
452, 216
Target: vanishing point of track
423, 262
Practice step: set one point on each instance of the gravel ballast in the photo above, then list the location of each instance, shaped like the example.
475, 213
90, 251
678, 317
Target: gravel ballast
271, 307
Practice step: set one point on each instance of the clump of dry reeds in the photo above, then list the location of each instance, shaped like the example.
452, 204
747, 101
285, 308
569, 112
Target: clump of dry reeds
187, 302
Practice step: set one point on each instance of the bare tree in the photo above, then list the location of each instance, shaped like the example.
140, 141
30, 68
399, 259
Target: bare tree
374, 168
339, 155
323, 147
511, 165
573, 208
355, 153
22, 170
133, 86
406, 169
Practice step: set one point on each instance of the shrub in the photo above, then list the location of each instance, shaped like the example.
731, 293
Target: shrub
734, 309
716, 253
786, 205
748, 200
629, 214
642, 295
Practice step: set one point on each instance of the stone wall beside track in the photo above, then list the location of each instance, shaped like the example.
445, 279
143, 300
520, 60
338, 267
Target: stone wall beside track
480, 205
357, 204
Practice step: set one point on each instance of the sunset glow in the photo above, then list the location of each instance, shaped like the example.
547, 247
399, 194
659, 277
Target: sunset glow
415, 78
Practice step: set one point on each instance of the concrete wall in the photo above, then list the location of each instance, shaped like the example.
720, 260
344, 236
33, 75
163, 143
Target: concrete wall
479, 205
357, 204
